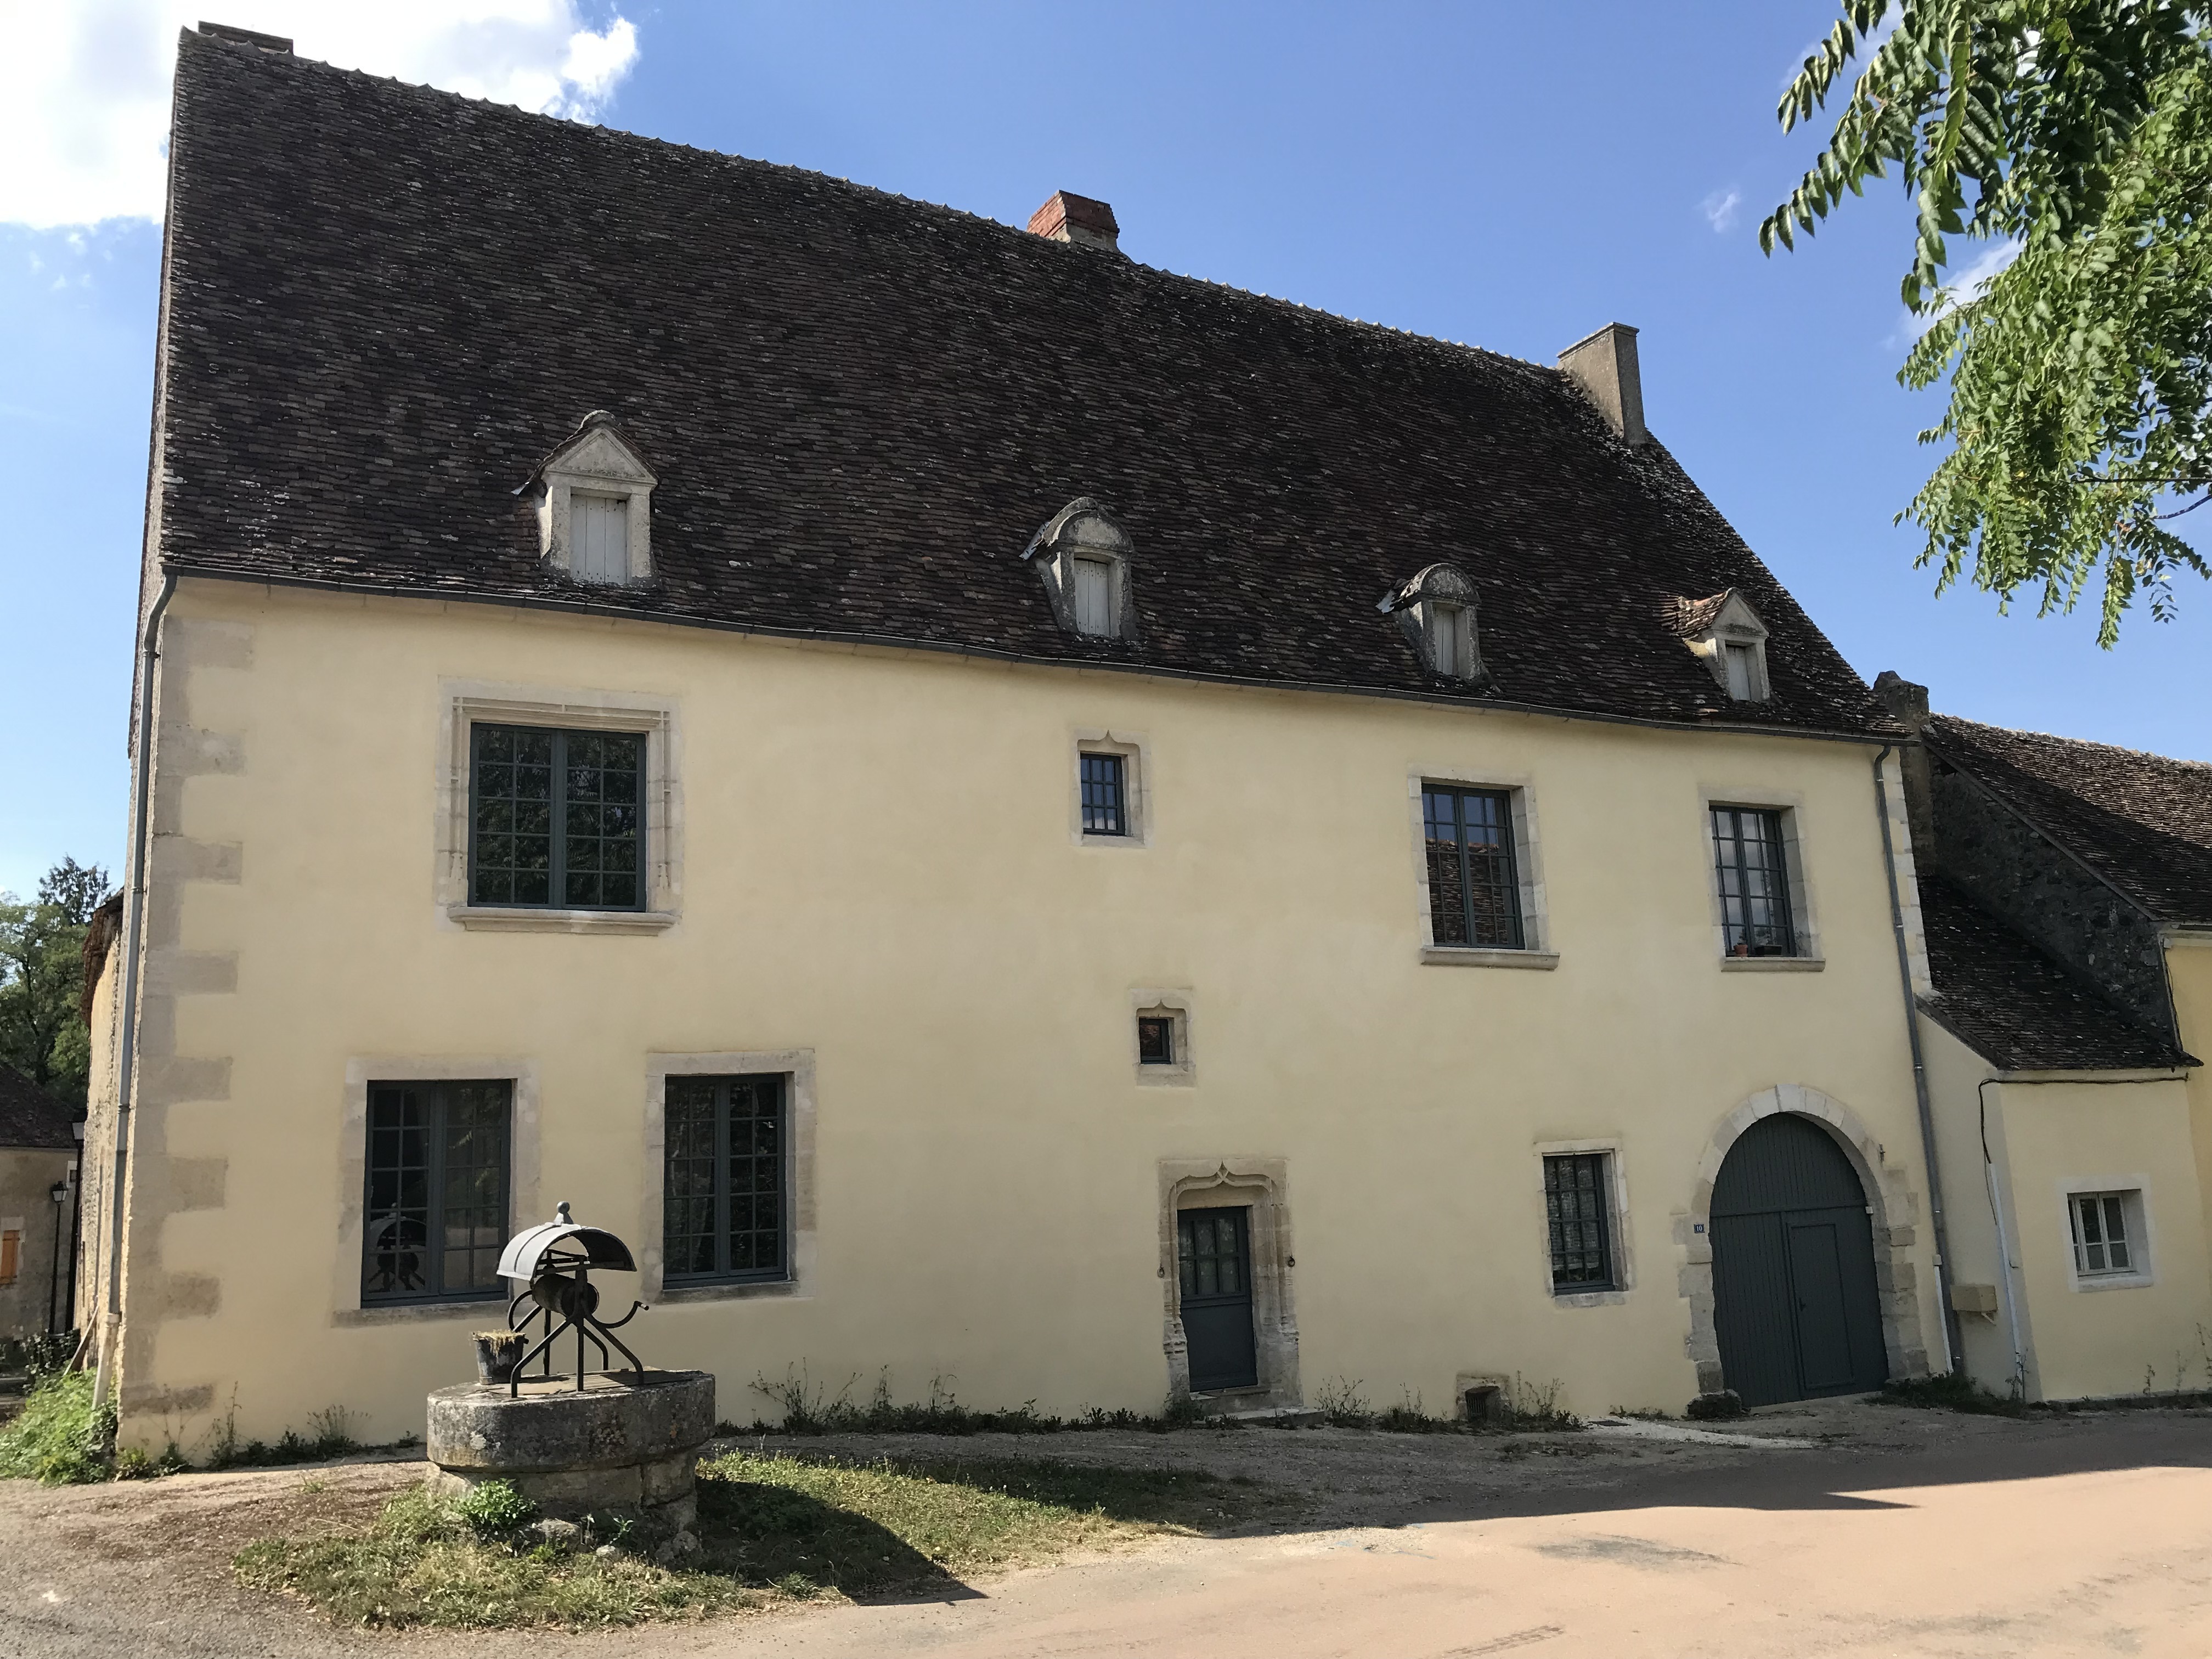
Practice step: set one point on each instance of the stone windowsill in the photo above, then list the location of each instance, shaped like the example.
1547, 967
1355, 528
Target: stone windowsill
1772, 964
488, 919
486, 1312
2113, 1281
1589, 1299
738, 1290
1463, 956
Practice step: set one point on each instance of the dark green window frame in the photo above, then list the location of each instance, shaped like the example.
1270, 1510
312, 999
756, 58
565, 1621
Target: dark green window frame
435, 1196
557, 819
725, 1179
1578, 1216
1474, 881
1751, 861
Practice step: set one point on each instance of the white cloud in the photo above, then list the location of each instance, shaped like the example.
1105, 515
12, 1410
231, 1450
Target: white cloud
1966, 283
86, 125
1719, 208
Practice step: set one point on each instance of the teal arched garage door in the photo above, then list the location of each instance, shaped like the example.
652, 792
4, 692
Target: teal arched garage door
1796, 1305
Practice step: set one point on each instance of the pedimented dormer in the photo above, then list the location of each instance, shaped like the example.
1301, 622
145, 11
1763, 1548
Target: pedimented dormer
1435, 609
1726, 633
1081, 555
594, 497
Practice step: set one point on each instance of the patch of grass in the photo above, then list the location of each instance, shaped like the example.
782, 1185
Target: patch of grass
1342, 1404
771, 1529
57, 1438
1408, 1417
1952, 1391
1534, 1408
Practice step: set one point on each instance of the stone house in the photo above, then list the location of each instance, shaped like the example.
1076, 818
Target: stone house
38, 1207
1009, 817
2066, 888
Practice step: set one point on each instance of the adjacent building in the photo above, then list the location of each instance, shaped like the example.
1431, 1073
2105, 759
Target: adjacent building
2066, 888
1015, 821
37, 1208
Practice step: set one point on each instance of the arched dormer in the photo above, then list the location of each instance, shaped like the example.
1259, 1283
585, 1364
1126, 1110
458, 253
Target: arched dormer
594, 497
1082, 556
1727, 634
1436, 611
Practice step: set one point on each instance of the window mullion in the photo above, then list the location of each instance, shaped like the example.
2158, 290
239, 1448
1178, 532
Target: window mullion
433, 1189
1465, 866
722, 1091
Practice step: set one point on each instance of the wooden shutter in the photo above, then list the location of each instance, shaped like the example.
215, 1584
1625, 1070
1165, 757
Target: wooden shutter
598, 537
1094, 599
11, 1248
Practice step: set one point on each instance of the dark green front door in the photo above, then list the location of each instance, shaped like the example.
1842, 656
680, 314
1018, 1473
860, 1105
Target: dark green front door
1795, 1303
1213, 1253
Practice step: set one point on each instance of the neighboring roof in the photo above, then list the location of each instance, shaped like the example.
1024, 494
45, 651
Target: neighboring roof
2143, 822
2015, 1007
29, 1116
384, 304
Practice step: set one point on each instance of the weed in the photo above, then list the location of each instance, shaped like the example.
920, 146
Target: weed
1340, 1404
493, 1509
1535, 1409
57, 1438
1949, 1391
1408, 1417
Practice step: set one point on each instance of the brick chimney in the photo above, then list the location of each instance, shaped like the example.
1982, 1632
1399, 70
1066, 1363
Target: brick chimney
1604, 365
1068, 218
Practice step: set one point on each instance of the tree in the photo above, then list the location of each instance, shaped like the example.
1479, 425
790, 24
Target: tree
42, 1032
2075, 139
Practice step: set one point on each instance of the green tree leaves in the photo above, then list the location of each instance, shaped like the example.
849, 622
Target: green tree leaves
42, 1033
2080, 132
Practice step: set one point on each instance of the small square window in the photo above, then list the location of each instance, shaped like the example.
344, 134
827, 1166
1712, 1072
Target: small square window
1156, 1044
1578, 1216
2102, 1241
1105, 795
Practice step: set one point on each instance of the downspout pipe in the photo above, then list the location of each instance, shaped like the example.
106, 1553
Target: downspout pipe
1952, 1347
126, 1071
2004, 1243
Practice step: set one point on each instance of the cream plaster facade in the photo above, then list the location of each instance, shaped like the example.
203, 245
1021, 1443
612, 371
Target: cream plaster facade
878, 882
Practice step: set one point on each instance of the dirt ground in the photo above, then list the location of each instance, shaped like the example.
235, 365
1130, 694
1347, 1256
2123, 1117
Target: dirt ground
1853, 1529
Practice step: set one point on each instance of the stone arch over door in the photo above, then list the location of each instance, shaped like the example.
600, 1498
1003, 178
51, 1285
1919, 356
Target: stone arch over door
1896, 1212
1261, 1184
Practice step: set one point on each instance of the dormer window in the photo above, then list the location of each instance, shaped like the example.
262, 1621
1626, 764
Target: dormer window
1436, 611
1727, 632
1082, 556
594, 497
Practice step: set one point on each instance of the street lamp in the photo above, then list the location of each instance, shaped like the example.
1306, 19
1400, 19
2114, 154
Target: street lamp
59, 1193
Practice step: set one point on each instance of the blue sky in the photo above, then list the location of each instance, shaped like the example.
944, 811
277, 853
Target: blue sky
1511, 176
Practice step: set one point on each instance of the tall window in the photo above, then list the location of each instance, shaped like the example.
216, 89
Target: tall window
1740, 663
1094, 596
723, 1204
1104, 780
1475, 893
557, 818
2100, 1234
1754, 883
1579, 1218
1446, 624
437, 1209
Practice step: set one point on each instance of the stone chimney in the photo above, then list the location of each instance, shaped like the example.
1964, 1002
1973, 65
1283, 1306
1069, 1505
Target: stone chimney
1068, 218
1604, 365
1908, 706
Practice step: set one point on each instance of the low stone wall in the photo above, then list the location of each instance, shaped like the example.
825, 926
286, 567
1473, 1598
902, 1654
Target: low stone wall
627, 1444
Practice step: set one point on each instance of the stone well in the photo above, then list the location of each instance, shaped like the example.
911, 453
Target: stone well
626, 1444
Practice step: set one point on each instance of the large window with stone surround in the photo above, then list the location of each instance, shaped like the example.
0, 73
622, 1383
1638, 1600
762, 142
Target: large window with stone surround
1474, 889
725, 1180
436, 1204
1752, 861
1578, 1219
557, 818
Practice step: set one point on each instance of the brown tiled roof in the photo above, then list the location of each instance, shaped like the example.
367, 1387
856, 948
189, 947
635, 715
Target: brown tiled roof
2143, 822
384, 304
29, 1116
2015, 1007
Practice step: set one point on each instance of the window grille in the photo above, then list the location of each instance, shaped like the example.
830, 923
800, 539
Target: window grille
1156, 1039
2100, 1234
1754, 883
437, 1199
1094, 596
598, 537
1104, 780
1474, 893
723, 1206
1578, 1216
556, 819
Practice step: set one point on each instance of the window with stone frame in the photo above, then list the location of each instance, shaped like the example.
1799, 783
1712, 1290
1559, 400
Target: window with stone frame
557, 818
1751, 867
2107, 1239
1475, 884
436, 1215
1578, 1219
725, 1179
